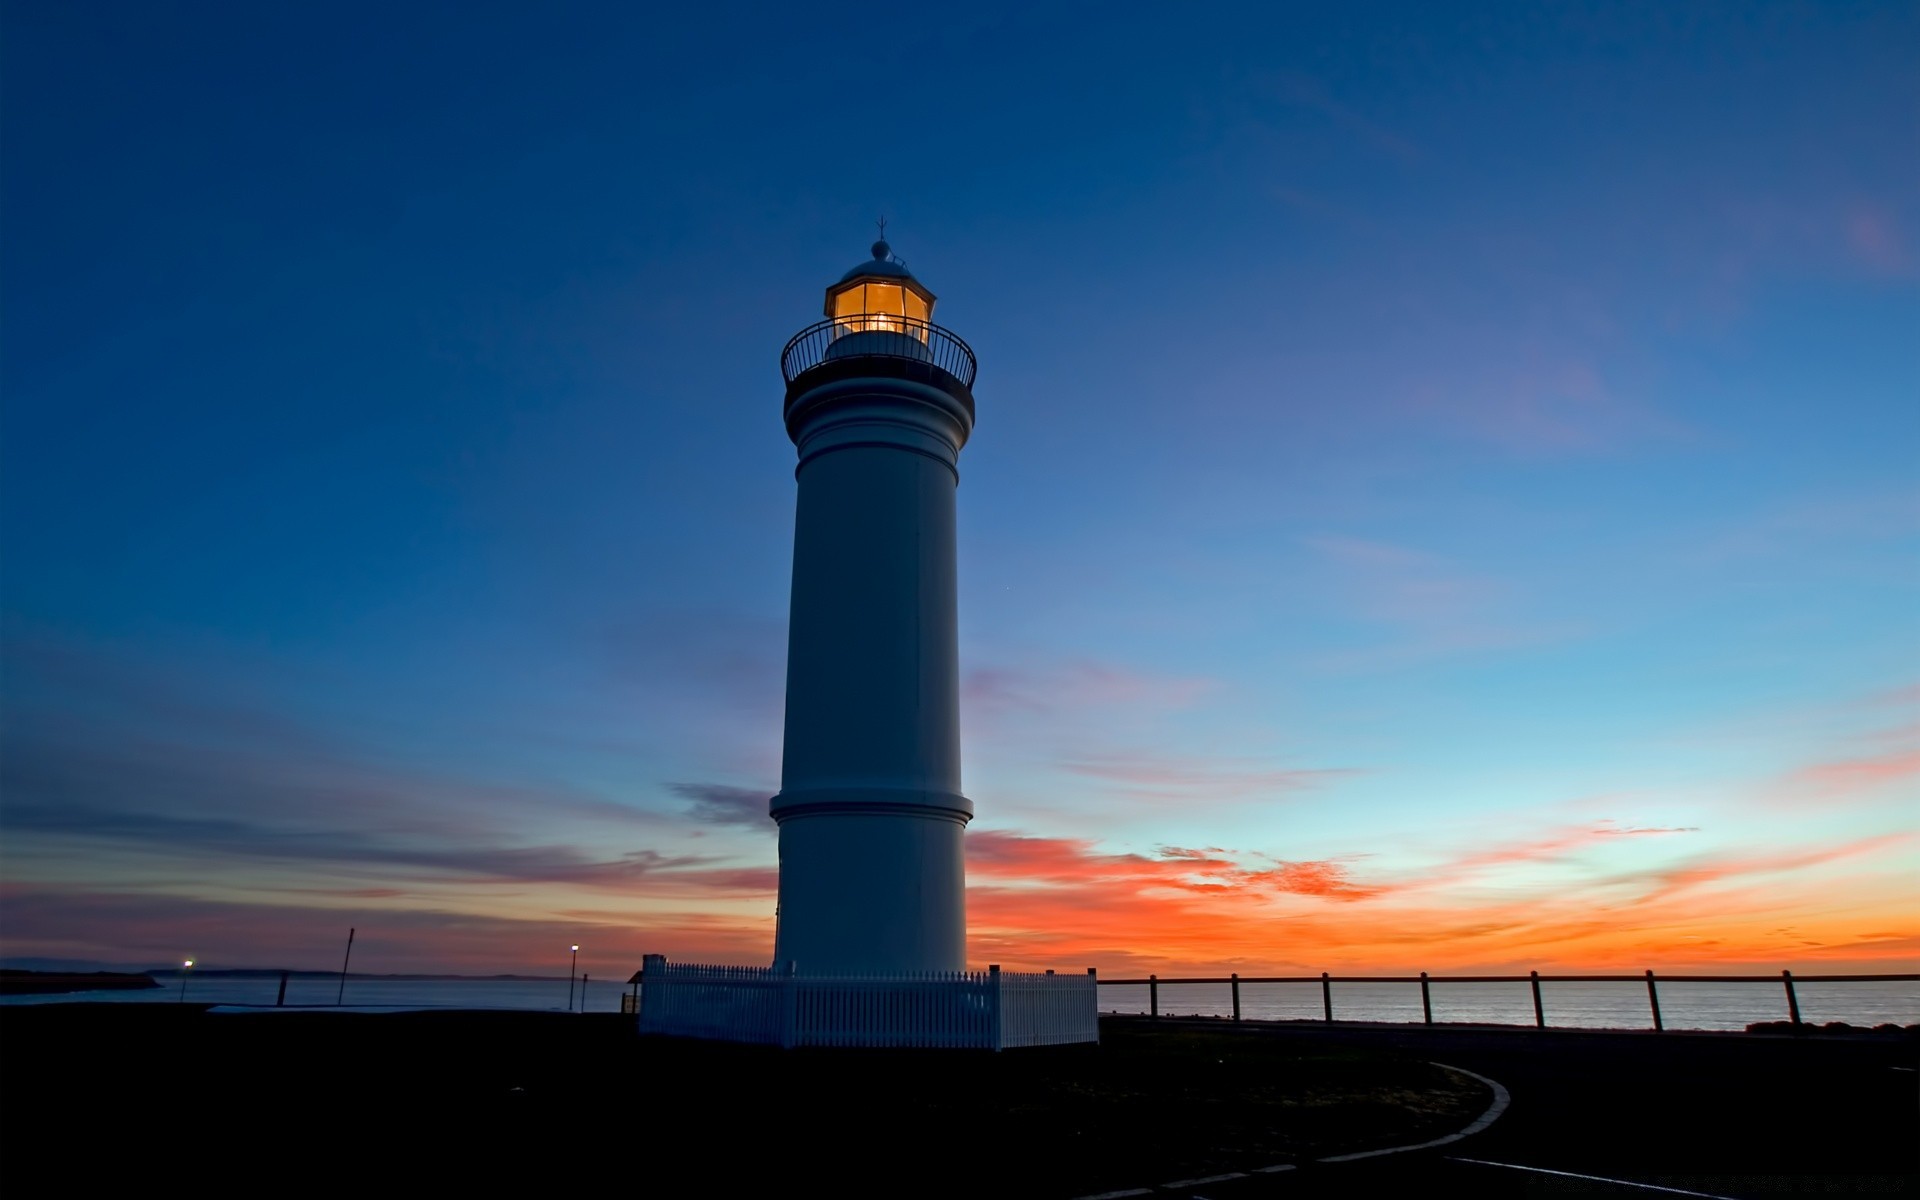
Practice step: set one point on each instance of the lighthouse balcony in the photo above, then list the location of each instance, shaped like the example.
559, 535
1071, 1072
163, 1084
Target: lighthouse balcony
876, 343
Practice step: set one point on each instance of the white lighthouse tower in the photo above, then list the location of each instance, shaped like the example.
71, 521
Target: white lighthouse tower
871, 946
879, 403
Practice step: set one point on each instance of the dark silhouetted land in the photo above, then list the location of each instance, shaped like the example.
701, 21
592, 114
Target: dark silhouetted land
402, 1102
50, 983
579, 1100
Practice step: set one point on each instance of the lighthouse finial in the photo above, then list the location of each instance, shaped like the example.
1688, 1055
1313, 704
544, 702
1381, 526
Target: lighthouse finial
880, 248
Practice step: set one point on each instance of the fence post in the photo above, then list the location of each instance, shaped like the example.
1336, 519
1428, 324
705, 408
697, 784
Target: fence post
993, 988
1236, 995
1093, 984
1539, 1012
1153, 996
1326, 995
282, 997
1426, 999
1793, 1001
653, 975
1653, 1000
789, 1008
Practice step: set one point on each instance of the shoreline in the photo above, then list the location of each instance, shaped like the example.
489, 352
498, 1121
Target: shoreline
53, 983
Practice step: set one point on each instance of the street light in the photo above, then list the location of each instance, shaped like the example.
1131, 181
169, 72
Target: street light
186, 968
570, 968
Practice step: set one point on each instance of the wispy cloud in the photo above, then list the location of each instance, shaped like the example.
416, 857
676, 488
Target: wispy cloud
1550, 406
1551, 847
1907, 696
1795, 526
118, 773
1040, 899
1876, 241
1075, 686
1314, 95
1847, 776
1438, 608
1656, 885
383, 854
1173, 777
151, 928
722, 804
1331, 880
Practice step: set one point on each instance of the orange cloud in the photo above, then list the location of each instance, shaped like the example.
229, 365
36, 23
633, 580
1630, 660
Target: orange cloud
1329, 879
1858, 774
1047, 901
1037, 901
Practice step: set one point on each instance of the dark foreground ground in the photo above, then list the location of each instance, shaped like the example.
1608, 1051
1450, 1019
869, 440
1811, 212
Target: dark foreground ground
168, 1098
1719, 1114
560, 1101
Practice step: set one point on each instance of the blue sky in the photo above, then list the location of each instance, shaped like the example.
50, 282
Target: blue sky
1441, 471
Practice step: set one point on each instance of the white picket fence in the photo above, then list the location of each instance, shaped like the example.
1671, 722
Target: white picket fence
991, 1009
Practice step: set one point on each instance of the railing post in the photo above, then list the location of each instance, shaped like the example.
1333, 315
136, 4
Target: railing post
1093, 983
789, 1007
1236, 995
1326, 995
1653, 1001
281, 999
653, 976
1539, 1011
1426, 999
993, 989
1793, 1001
1153, 996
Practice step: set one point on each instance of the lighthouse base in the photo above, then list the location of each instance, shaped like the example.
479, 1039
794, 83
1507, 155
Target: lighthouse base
868, 888
982, 1010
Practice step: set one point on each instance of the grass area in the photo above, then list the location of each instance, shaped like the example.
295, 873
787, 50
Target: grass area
518, 1096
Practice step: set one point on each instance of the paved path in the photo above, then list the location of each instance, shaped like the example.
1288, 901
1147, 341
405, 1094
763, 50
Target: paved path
1729, 1115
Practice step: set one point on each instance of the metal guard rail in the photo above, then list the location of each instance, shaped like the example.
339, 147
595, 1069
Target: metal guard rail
882, 336
1664, 978
1426, 981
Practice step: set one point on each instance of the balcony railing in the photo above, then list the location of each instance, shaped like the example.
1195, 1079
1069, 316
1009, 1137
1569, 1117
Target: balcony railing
877, 335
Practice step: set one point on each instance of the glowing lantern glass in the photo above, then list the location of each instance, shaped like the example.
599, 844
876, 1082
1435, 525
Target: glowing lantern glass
880, 296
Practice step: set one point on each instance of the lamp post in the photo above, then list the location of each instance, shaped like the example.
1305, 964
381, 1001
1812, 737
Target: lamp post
186, 969
570, 968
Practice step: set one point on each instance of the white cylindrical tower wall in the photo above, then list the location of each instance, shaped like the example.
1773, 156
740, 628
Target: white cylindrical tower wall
872, 875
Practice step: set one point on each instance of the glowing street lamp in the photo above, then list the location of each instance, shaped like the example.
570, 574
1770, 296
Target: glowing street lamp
570, 969
186, 969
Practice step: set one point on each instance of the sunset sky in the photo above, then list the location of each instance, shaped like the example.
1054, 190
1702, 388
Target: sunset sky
1446, 492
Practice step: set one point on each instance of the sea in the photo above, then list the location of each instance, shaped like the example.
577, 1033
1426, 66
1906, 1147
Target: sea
1718, 1006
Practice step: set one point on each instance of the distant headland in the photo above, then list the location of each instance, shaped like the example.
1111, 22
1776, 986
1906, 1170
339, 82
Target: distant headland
48, 983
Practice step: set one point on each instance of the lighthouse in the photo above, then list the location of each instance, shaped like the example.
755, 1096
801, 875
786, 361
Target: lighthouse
879, 403
870, 945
